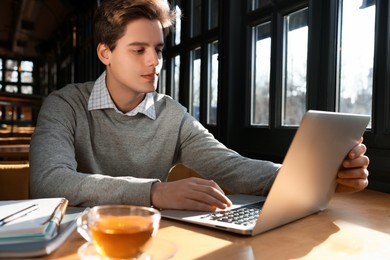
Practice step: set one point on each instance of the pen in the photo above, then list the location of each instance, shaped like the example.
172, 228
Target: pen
18, 214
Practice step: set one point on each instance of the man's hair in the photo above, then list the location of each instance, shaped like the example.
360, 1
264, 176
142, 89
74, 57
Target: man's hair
112, 17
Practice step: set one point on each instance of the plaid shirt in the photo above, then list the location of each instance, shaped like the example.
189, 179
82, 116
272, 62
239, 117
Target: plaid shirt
100, 99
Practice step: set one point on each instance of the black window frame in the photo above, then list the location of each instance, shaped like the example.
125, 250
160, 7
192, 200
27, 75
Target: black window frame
233, 34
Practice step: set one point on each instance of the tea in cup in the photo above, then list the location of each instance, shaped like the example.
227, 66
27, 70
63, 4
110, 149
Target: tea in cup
119, 231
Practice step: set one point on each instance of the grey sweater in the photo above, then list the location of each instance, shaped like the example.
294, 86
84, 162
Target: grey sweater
104, 157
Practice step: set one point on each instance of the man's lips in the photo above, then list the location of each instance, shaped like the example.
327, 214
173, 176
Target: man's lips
150, 76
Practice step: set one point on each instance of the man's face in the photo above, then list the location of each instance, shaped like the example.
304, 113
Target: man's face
135, 64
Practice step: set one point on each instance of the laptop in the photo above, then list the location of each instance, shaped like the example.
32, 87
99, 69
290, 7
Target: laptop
304, 185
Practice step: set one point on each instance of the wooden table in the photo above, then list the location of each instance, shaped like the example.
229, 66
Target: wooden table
354, 226
14, 151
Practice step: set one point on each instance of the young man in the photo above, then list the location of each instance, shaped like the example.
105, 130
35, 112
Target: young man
113, 141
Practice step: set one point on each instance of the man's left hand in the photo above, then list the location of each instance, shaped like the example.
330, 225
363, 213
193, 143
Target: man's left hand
353, 173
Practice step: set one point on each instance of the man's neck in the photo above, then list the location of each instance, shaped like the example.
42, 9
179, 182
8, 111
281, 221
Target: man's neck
124, 98
126, 103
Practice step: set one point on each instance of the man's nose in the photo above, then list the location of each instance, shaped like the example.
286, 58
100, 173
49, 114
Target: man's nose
153, 58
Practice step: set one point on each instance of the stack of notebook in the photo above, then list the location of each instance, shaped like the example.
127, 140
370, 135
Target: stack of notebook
36, 227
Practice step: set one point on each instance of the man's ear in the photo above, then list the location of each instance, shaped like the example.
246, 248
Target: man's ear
103, 53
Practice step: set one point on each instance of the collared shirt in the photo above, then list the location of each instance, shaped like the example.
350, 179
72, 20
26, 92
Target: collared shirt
100, 99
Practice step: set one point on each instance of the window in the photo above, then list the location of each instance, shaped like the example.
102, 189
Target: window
196, 17
162, 86
26, 77
176, 77
295, 67
195, 83
356, 57
278, 59
213, 14
174, 81
177, 27
18, 76
260, 79
291, 100
170, 73
11, 88
256, 4
26, 90
11, 71
26, 71
213, 83
189, 80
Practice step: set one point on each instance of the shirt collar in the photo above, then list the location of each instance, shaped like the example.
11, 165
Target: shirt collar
100, 99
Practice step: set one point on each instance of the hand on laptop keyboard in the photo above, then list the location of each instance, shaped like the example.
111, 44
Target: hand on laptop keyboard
190, 194
241, 216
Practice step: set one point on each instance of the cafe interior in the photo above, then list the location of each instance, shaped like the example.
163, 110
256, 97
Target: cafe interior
248, 70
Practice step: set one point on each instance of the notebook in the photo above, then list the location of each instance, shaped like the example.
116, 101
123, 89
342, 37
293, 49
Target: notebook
305, 183
44, 247
40, 223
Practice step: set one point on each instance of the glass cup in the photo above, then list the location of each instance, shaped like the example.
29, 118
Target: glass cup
119, 231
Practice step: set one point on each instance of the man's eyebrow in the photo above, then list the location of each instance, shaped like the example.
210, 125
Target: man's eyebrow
144, 44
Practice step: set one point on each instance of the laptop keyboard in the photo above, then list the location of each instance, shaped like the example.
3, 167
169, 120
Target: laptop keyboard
246, 215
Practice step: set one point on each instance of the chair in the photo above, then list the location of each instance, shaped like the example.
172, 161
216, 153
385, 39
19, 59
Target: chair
179, 171
14, 180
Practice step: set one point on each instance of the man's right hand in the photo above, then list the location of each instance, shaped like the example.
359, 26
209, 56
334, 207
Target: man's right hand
190, 194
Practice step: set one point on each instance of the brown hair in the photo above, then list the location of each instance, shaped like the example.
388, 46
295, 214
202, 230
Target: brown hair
112, 17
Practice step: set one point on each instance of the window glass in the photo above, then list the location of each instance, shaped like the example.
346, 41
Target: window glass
26, 65
177, 27
175, 77
196, 15
295, 67
260, 80
356, 56
162, 80
256, 4
19, 74
26, 77
11, 75
195, 83
213, 14
213, 84
11, 72
26, 90
11, 65
11, 88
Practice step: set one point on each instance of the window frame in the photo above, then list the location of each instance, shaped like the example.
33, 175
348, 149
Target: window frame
189, 42
234, 89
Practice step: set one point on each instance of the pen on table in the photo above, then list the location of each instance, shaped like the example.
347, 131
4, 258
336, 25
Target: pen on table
18, 214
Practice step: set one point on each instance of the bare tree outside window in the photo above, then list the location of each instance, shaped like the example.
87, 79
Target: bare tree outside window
295, 67
356, 57
213, 83
260, 79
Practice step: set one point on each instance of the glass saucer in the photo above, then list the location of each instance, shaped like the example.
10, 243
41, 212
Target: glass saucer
159, 249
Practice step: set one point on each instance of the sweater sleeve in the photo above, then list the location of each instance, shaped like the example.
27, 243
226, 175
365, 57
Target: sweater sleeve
200, 151
53, 167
